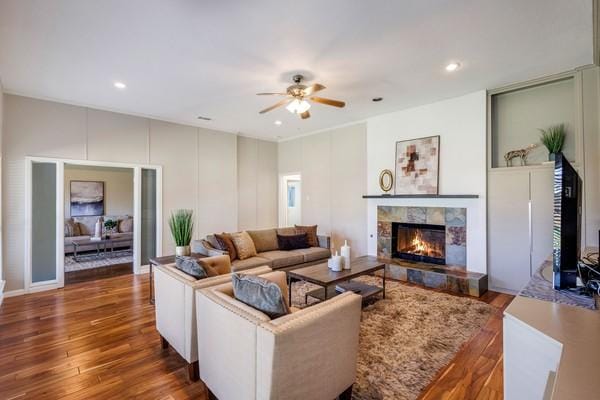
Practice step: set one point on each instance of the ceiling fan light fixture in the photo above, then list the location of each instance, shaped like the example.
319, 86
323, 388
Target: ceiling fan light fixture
298, 106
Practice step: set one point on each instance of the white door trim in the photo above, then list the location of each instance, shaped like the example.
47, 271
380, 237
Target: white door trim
60, 162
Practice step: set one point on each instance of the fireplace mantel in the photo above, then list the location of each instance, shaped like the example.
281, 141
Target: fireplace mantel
420, 196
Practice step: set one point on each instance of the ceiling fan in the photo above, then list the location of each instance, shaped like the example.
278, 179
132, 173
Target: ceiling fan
296, 95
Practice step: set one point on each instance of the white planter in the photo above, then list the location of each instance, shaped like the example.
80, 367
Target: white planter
182, 251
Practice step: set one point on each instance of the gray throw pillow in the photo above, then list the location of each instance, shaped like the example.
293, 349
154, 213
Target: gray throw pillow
260, 294
190, 266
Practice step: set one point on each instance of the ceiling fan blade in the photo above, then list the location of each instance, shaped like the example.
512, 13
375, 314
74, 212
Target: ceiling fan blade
269, 94
305, 115
312, 89
329, 102
278, 104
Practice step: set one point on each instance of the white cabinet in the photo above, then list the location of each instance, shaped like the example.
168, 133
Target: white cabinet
519, 224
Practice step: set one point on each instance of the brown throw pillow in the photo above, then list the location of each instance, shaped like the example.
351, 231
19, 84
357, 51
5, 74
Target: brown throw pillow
225, 243
311, 234
244, 246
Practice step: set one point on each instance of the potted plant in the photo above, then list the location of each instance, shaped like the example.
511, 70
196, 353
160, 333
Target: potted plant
110, 226
553, 138
182, 225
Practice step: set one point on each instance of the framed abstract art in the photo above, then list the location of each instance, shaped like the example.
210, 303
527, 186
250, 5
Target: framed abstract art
417, 166
87, 198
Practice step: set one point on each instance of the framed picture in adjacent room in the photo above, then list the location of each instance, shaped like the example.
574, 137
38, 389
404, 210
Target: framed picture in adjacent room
417, 166
87, 198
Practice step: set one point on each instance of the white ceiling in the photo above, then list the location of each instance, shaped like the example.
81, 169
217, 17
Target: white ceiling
184, 58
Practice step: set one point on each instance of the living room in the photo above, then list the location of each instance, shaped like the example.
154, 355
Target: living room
384, 220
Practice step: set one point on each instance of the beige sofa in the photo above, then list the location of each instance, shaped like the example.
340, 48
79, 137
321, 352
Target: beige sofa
265, 241
85, 227
175, 307
308, 354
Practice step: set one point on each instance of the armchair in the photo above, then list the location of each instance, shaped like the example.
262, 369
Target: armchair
308, 354
175, 307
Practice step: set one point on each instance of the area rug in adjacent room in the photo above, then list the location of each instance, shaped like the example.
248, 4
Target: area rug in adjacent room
88, 261
407, 338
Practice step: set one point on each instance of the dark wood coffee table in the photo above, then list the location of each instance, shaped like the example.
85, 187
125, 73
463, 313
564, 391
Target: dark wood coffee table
154, 261
321, 275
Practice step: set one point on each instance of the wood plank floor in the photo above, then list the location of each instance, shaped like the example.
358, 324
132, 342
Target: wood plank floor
96, 340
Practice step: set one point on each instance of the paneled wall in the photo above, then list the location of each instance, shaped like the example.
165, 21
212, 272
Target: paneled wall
257, 183
333, 168
199, 165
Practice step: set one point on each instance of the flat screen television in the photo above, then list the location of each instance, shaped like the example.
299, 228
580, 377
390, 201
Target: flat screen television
566, 233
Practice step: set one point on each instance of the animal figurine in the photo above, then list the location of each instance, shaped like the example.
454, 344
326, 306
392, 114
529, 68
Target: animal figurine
521, 153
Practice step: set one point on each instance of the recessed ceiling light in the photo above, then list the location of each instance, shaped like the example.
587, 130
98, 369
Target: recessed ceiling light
120, 85
204, 118
453, 66
376, 99
278, 122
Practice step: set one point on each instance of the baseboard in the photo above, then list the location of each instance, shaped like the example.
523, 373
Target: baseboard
2, 284
17, 292
144, 269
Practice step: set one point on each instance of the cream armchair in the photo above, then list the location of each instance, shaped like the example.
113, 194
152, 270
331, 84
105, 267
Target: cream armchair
175, 307
308, 354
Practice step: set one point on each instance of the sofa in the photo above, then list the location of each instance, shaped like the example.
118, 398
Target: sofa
307, 354
175, 307
268, 252
81, 228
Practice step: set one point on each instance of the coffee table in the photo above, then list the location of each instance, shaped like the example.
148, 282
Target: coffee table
321, 275
105, 241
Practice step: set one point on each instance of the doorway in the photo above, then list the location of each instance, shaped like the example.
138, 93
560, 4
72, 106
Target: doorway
290, 204
89, 220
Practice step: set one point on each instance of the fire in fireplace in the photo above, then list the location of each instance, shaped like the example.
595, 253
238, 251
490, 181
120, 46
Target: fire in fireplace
419, 242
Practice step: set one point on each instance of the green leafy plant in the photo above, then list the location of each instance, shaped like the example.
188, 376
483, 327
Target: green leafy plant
110, 224
182, 225
553, 138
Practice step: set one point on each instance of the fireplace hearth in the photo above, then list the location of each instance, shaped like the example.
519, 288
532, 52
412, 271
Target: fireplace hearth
419, 242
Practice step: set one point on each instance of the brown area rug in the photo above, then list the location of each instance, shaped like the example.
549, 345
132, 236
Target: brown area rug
407, 338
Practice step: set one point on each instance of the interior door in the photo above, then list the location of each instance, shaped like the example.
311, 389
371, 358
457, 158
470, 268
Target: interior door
43, 246
293, 209
149, 216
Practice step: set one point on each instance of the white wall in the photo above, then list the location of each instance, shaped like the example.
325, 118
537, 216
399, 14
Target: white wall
118, 187
2, 279
199, 165
333, 168
257, 183
461, 124
591, 151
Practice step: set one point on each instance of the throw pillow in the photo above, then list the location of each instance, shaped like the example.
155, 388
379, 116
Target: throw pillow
311, 234
192, 267
244, 246
264, 239
225, 243
126, 225
293, 242
260, 294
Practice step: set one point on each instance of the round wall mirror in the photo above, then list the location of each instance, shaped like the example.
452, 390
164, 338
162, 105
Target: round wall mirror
386, 180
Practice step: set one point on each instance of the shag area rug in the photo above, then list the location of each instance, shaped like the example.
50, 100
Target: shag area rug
89, 261
407, 338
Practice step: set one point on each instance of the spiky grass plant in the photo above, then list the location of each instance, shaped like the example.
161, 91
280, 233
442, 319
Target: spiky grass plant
182, 225
553, 138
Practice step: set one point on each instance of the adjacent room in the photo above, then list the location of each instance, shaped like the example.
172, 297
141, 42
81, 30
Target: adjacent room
313, 201
98, 221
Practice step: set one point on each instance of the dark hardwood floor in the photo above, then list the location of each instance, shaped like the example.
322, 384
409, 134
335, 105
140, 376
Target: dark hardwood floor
94, 274
96, 340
